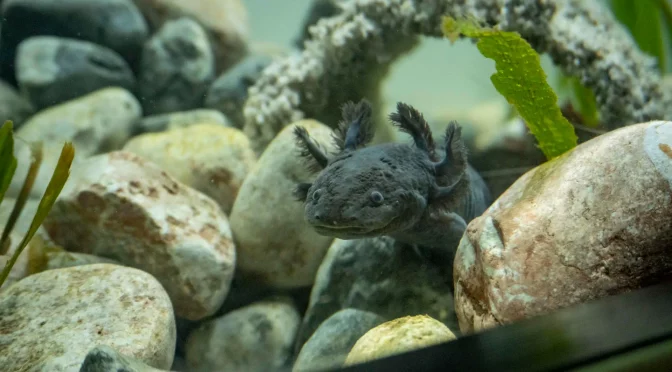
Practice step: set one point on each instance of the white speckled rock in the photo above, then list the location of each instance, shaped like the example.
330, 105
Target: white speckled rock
208, 157
51, 320
596, 221
122, 207
97, 122
275, 244
398, 336
254, 338
60, 260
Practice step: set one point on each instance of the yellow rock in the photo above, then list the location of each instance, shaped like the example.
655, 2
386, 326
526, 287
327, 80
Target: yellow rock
398, 336
209, 157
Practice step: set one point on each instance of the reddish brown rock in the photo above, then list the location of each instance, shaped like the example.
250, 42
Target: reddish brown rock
209, 157
122, 207
594, 222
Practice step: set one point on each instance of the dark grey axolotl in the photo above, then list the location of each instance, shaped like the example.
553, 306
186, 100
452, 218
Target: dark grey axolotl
418, 194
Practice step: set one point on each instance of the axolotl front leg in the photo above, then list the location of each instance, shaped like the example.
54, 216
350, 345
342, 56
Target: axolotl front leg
437, 234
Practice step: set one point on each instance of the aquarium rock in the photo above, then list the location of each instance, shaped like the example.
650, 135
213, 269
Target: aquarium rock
229, 92
380, 276
348, 54
225, 22
63, 259
275, 245
51, 320
120, 206
183, 119
399, 336
176, 68
105, 359
328, 347
255, 338
13, 105
591, 223
51, 70
208, 157
115, 24
97, 122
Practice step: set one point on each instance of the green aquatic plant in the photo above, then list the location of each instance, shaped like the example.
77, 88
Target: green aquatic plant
522, 81
649, 22
8, 165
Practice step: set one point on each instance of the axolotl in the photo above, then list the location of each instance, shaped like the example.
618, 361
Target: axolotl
418, 194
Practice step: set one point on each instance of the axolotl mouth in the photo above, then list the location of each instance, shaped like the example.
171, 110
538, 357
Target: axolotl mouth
346, 232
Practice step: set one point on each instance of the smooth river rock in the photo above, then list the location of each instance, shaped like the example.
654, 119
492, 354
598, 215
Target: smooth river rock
594, 222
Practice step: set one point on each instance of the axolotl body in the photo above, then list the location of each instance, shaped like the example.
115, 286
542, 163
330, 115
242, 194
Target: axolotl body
416, 193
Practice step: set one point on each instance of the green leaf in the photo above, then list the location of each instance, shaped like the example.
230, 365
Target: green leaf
7, 159
24, 194
643, 19
58, 179
586, 102
522, 81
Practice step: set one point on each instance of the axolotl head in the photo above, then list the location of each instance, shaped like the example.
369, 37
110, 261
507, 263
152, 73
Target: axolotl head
369, 192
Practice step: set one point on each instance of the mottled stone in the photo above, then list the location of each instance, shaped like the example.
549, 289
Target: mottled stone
120, 206
176, 69
52, 319
13, 106
175, 120
379, 276
115, 24
97, 122
211, 158
399, 336
328, 347
255, 338
51, 70
63, 259
593, 222
275, 245
229, 92
225, 21
106, 359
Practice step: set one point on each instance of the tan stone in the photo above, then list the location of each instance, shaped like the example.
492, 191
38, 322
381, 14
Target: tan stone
398, 336
122, 207
51, 320
275, 244
594, 222
209, 157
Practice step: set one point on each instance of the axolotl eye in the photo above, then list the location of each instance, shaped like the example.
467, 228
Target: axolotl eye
316, 194
376, 197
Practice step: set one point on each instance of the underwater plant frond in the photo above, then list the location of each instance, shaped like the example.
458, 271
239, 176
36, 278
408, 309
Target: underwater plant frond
54, 188
411, 121
522, 81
